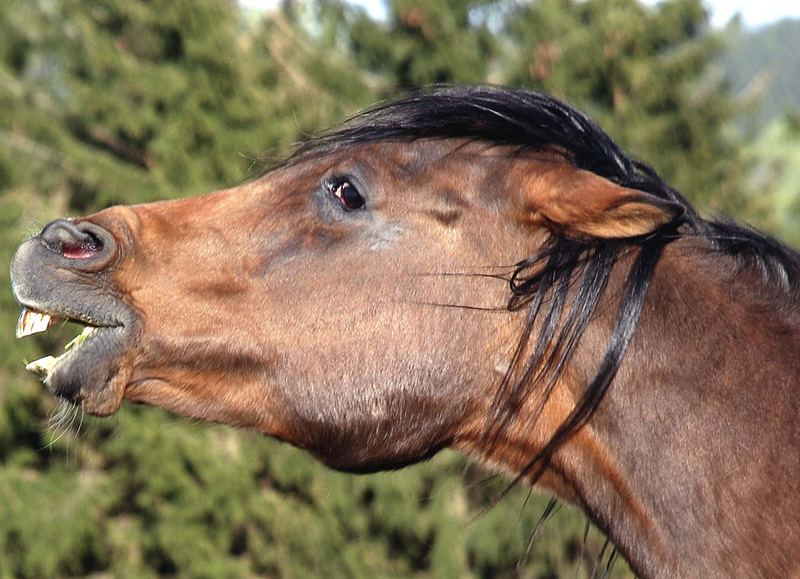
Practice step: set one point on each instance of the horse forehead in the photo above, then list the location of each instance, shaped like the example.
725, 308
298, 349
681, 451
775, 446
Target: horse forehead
451, 171
456, 161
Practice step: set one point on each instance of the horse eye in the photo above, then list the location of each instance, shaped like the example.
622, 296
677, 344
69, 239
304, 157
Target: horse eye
348, 195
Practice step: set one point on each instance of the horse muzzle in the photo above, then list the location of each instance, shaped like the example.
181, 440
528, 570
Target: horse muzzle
66, 274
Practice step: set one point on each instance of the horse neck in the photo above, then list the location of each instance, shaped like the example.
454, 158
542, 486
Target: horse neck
691, 463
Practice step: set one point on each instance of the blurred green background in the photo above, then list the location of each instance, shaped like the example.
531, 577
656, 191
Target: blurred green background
122, 101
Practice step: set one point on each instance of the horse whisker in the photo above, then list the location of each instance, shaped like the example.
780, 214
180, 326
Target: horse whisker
65, 429
465, 274
461, 306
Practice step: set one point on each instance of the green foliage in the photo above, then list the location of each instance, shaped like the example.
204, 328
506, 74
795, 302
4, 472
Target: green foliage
641, 72
126, 101
426, 43
774, 182
147, 494
762, 67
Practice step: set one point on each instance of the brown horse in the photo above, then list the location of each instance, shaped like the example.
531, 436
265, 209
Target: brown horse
474, 268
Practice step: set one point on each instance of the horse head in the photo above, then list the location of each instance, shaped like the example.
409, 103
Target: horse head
471, 268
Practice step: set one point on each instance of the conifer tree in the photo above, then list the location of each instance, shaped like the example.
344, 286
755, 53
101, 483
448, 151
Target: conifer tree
642, 72
134, 100
425, 43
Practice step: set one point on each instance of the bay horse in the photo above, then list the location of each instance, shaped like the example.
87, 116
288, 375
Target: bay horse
479, 268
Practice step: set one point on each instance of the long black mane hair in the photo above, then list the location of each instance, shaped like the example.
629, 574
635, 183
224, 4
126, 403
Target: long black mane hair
542, 283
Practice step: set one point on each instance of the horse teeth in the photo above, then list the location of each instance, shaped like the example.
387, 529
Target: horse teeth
42, 367
31, 322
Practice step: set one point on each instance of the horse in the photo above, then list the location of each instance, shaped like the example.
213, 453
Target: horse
478, 268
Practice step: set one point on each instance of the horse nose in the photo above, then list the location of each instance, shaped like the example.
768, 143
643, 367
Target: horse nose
85, 244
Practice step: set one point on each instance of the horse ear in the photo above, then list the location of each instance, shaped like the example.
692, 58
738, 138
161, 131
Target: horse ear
579, 204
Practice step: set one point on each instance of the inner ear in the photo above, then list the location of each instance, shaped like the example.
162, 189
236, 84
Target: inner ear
580, 204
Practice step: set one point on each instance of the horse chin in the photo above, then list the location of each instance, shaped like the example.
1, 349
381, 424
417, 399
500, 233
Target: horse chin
92, 372
94, 377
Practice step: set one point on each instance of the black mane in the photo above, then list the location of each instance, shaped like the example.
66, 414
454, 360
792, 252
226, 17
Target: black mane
560, 286
499, 116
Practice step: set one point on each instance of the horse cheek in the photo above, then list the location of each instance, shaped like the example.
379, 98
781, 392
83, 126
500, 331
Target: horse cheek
344, 399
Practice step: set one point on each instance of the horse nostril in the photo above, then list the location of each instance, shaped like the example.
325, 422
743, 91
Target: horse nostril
71, 240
